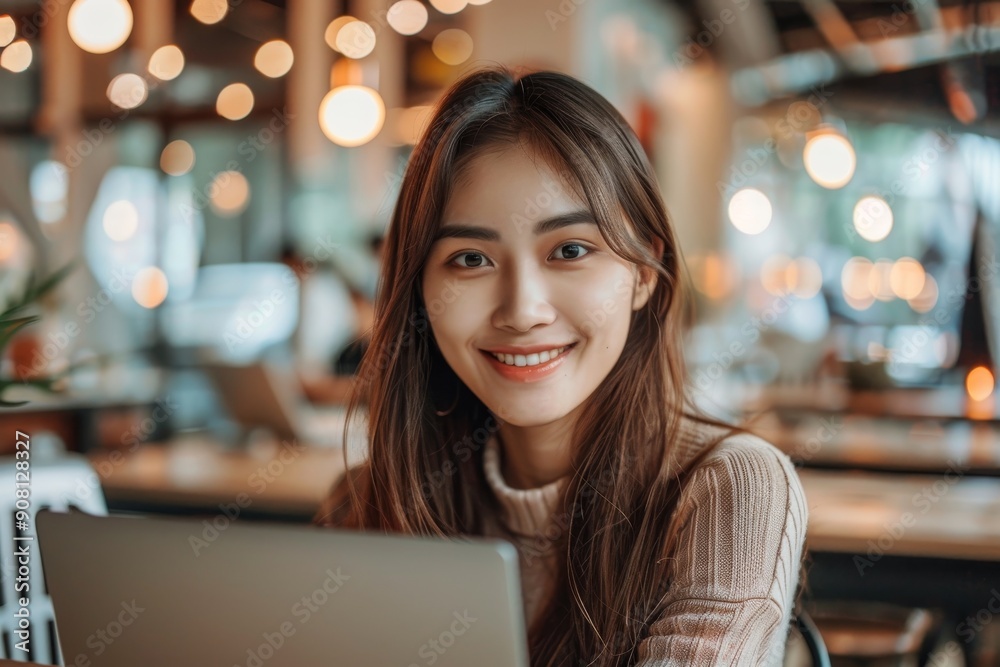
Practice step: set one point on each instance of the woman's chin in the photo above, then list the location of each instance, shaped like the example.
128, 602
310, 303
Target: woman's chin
528, 415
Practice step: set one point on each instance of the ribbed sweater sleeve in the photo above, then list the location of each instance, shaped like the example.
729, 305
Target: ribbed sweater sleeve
735, 566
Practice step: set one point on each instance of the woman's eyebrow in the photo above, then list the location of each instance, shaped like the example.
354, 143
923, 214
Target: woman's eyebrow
541, 227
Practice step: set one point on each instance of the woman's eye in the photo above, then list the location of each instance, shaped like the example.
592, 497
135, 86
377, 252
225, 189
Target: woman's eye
477, 261
575, 250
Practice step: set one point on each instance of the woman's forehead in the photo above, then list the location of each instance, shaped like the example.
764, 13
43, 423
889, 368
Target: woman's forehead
510, 177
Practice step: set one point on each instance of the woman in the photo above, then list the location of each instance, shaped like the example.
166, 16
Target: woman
525, 380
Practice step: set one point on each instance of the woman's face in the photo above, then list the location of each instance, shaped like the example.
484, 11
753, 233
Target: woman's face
520, 266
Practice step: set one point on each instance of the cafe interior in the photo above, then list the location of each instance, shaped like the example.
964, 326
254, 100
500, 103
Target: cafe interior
194, 197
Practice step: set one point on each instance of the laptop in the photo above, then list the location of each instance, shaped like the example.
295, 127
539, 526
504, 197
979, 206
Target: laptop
257, 394
152, 590
264, 395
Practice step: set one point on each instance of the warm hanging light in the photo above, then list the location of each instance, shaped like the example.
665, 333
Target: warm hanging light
407, 17
332, 30
872, 218
209, 12
351, 115
452, 46
229, 193
127, 91
235, 101
356, 39
150, 287
16, 57
177, 158
979, 383
120, 221
906, 278
100, 26
750, 211
8, 30
166, 63
449, 6
829, 159
274, 58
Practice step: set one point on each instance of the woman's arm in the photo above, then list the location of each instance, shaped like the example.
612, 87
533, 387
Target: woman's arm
736, 561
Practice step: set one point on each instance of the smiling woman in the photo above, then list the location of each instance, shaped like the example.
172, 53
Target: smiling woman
525, 380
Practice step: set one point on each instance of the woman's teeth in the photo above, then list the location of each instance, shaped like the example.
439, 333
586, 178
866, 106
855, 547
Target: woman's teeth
529, 359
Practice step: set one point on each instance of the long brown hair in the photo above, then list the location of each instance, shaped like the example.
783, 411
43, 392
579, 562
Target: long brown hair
424, 472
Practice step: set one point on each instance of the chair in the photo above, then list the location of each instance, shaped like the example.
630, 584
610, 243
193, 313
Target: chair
873, 634
812, 638
59, 484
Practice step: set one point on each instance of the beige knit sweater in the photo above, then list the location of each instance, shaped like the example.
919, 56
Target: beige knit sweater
743, 516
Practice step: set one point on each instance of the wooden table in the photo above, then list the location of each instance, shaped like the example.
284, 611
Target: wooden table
879, 443
949, 402
953, 515
938, 516
200, 475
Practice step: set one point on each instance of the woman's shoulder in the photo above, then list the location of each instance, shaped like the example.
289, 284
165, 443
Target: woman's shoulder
743, 461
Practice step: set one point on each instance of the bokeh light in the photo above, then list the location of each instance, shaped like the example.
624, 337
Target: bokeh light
880, 280
927, 299
177, 158
274, 58
127, 91
149, 287
449, 6
452, 46
873, 218
166, 63
8, 30
750, 211
100, 26
829, 160
356, 39
906, 278
10, 240
979, 383
229, 193
332, 30
209, 12
17, 57
407, 17
235, 101
351, 115
120, 221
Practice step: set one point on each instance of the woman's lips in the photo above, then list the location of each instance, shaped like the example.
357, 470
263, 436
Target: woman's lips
528, 373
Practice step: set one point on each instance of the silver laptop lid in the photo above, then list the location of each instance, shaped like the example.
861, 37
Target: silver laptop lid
181, 591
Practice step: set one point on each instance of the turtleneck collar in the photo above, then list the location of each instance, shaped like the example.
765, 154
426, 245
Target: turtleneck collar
526, 511
529, 511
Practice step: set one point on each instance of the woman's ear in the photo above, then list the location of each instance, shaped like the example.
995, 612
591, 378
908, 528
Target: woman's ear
646, 280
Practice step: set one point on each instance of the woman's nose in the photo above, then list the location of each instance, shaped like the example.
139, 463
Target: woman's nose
524, 300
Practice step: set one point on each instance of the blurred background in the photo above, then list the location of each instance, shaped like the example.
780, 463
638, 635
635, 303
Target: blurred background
193, 197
